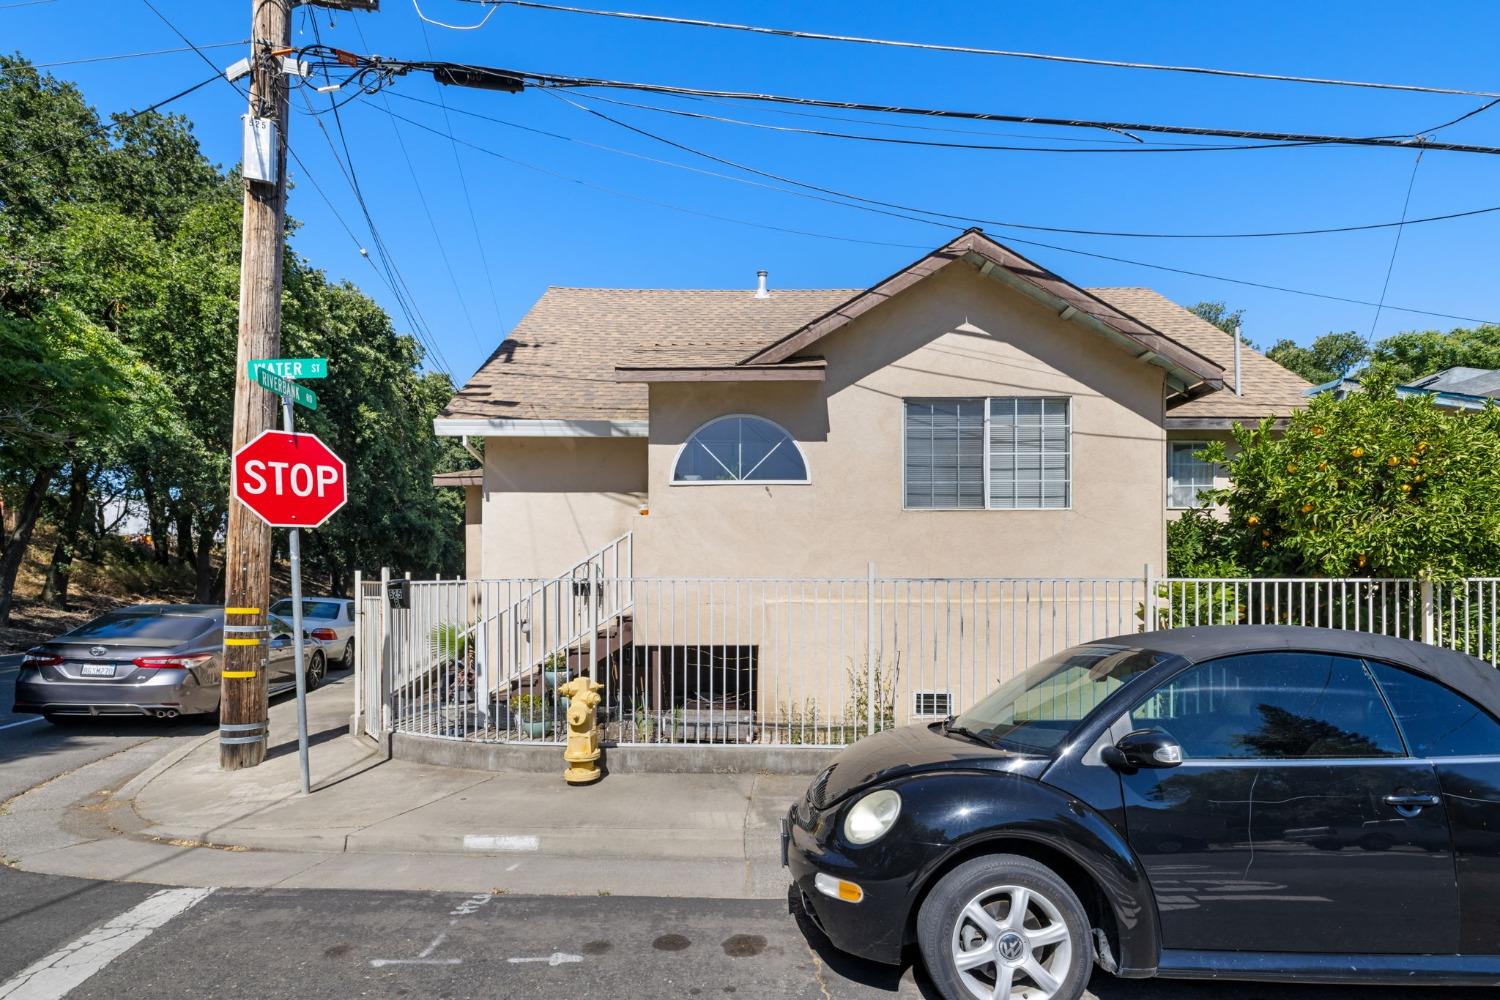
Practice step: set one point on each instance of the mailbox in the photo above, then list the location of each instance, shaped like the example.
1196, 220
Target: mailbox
397, 595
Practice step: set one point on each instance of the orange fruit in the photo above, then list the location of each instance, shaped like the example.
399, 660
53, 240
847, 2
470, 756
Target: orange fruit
1362, 561
1322, 466
1252, 520
1421, 446
1307, 508
1411, 460
1290, 467
1393, 461
1317, 431
1357, 452
1406, 487
1265, 545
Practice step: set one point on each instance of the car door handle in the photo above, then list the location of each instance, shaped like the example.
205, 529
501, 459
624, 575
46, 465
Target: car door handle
1410, 805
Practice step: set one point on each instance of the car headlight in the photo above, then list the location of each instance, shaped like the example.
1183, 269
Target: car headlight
872, 817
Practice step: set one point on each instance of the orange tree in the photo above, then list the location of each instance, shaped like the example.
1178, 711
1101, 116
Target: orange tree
1370, 485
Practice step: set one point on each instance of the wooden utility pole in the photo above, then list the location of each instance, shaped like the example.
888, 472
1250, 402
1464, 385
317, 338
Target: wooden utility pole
247, 546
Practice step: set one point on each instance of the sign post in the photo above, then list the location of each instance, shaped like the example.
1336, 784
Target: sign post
291, 480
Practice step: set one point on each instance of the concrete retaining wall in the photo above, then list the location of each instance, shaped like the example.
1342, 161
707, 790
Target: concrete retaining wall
548, 758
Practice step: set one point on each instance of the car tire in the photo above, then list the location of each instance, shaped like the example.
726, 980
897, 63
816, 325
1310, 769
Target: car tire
348, 661
1046, 954
317, 669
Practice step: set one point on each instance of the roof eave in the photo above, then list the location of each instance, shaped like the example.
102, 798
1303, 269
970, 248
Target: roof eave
522, 427
801, 372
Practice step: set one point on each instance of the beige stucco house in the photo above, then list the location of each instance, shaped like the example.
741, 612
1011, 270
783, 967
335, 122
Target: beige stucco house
971, 415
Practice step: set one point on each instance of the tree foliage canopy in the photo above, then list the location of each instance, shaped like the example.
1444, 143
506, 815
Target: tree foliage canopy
119, 291
1369, 485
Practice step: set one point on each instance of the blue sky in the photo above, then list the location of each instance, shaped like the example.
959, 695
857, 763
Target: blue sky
536, 228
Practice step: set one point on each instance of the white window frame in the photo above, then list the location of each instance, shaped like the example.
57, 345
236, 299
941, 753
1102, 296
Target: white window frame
1068, 453
1214, 468
672, 479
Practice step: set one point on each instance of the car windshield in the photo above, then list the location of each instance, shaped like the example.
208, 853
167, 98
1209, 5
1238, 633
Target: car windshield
310, 609
128, 624
1035, 712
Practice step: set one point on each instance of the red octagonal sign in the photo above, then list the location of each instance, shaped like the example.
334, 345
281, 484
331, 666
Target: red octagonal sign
289, 480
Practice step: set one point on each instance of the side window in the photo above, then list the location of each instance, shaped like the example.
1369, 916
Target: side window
278, 626
1437, 722
1274, 705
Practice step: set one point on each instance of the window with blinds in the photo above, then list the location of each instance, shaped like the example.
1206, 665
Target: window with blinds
1004, 453
1188, 475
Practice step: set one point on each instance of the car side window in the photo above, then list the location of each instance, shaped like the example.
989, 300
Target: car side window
1437, 721
1283, 705
278, 626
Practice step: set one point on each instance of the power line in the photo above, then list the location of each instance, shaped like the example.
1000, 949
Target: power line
1002, 222
1395, 246
489, 77
1121, 146
139, 55
426, 210
972, 50
925, 247
463, 182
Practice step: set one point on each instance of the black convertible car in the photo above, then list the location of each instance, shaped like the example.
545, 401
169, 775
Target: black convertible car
1241, 802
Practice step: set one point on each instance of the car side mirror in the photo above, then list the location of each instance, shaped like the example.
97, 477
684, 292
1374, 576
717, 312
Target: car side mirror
1144, 748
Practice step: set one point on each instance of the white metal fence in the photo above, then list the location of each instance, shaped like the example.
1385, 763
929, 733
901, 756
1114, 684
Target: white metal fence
816, 662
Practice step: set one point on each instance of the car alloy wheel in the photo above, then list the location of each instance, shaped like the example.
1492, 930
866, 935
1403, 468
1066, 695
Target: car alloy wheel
317, 666
1005, 927
1011, 942
348, 662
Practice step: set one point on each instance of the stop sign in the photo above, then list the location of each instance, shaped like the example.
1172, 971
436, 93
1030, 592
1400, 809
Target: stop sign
289, 480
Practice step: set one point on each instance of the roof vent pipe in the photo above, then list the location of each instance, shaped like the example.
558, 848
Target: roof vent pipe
1238, 391
760, 286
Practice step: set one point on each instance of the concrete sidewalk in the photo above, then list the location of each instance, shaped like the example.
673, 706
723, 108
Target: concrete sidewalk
377, 823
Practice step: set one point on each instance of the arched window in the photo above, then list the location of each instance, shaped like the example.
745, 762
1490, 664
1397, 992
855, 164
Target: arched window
740, 449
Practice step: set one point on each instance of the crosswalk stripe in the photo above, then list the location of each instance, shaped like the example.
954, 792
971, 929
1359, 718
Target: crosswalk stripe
61, 972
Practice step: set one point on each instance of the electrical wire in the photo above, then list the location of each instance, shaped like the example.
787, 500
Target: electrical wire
925, 247
1395, 246
506, 79
972, 50
970, 220
463, 182
1121, 146
431, 222
401, 289
137, 55
455, 27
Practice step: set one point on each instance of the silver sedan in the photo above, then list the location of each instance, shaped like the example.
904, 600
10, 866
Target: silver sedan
330, 620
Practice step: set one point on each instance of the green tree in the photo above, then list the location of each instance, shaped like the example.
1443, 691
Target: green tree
1331, 356
1416, 353
1370, 485
1221, 316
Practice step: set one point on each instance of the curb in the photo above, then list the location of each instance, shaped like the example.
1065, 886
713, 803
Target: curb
128, 791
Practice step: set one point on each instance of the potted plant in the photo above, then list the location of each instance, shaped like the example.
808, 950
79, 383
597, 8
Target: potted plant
555, 669
533, 714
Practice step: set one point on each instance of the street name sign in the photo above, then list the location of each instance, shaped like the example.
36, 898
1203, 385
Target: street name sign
286, 387
289, 480
293, 368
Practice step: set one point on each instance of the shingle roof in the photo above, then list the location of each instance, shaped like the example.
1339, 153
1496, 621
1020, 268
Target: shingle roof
560, 361
1469, 381
459, 477
1270, 390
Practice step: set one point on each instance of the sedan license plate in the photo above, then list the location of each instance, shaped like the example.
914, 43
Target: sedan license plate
97, 670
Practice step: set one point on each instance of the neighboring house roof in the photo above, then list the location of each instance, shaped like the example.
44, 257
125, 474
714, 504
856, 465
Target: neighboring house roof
579, 359
1466, 391
461, 477
1269, 389
1464, 381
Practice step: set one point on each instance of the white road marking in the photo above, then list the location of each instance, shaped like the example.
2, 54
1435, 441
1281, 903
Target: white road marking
380, 963
23, 722
61, 972
433, 947
513, 867
556, 958
502, 842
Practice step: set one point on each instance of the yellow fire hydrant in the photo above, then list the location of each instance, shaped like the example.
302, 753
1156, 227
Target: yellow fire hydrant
582, 753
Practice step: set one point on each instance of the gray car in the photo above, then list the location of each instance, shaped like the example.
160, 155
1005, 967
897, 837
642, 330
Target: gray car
331, 620
160, 660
